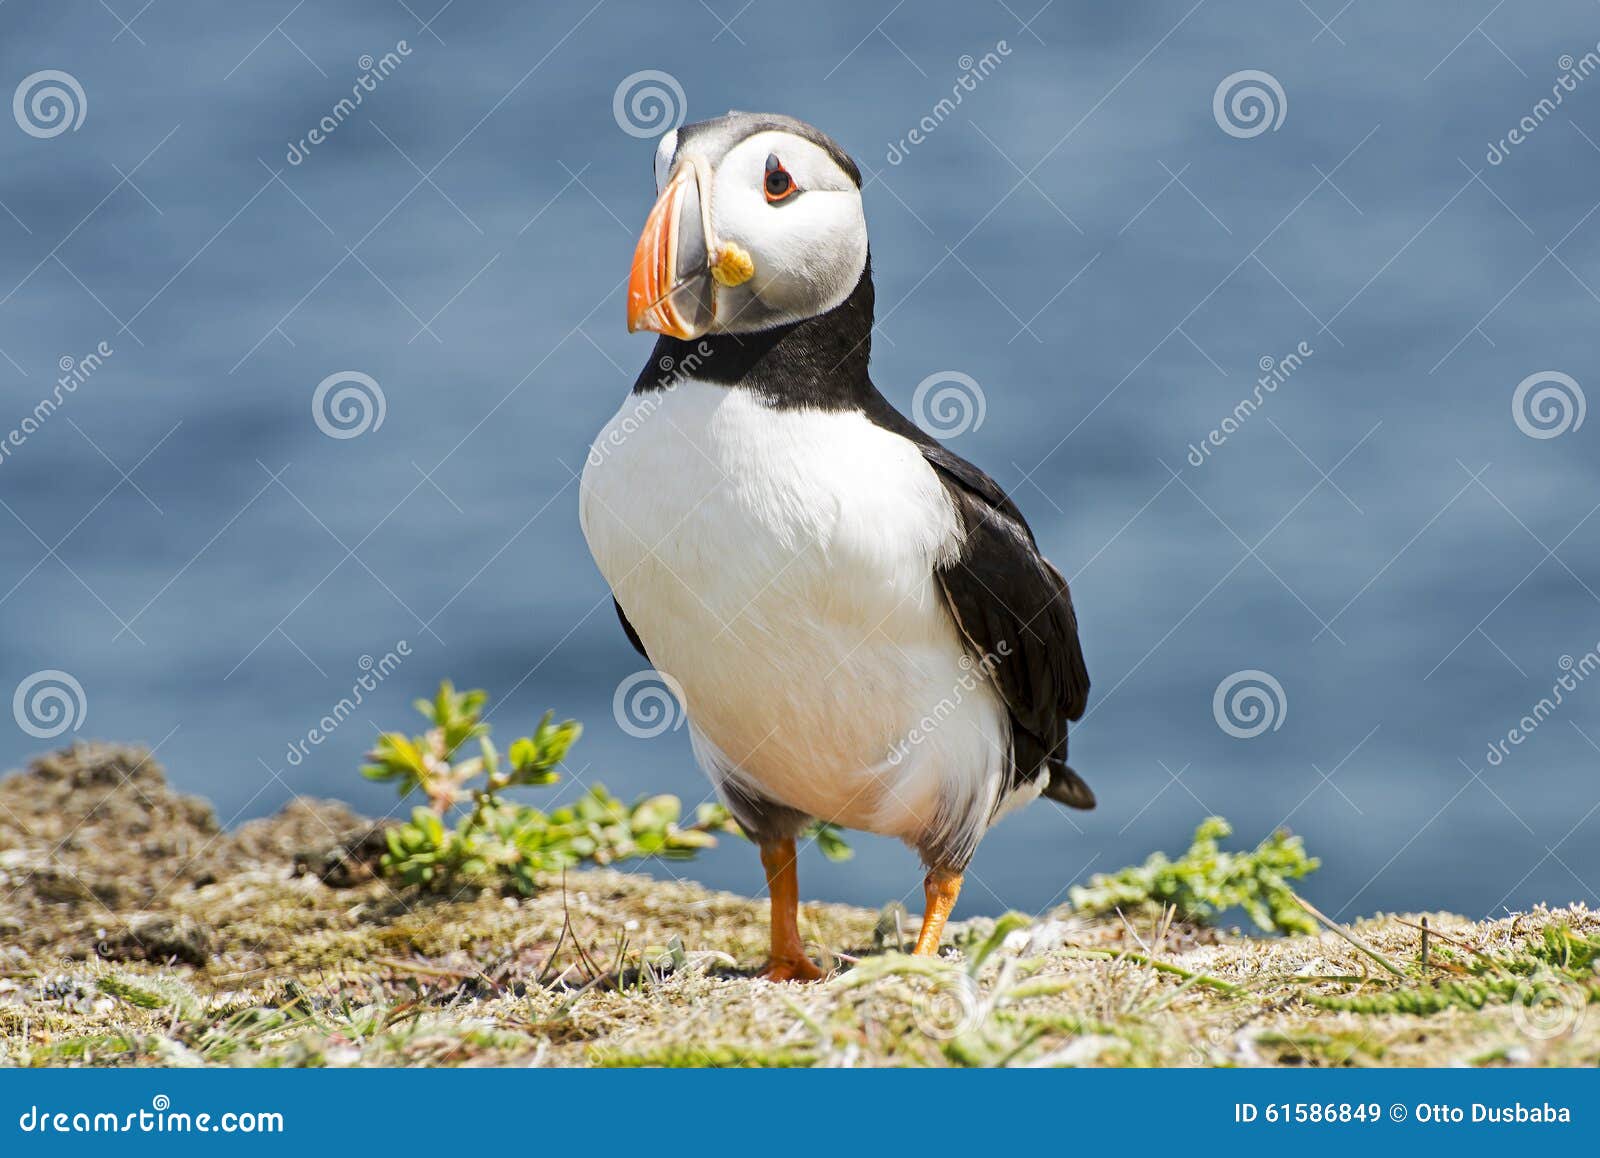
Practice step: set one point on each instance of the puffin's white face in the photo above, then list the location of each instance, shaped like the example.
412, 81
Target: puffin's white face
754, 227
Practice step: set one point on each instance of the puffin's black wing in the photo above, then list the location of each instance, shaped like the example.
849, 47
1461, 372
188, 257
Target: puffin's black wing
633, 636
1015, 611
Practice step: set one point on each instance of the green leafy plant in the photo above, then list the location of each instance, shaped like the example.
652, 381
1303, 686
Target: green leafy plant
469, 832
1206, 881
429, 762
1553, 977
829, 839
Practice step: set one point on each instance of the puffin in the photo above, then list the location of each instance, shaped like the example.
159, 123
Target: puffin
858, 623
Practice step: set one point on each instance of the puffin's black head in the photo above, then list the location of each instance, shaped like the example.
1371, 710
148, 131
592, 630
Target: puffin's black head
758, 223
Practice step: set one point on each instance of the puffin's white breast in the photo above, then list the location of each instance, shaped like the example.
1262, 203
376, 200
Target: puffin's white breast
778, 564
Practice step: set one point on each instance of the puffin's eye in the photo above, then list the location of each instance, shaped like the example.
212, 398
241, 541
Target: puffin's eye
777, 184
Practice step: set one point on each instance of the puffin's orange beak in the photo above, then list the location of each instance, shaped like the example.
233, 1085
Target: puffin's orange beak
669, 289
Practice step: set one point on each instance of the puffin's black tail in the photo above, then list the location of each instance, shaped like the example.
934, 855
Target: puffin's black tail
1066, 787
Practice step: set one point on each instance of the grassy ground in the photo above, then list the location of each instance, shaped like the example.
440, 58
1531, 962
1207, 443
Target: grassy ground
134, 932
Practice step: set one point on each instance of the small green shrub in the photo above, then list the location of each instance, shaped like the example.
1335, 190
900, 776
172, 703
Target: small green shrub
494, 839
1553, 976
1206, 881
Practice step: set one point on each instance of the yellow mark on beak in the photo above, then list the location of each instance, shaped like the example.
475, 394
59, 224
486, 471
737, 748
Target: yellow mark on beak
734, 266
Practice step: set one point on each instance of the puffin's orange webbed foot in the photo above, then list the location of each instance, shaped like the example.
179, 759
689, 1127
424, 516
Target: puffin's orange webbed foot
802, 969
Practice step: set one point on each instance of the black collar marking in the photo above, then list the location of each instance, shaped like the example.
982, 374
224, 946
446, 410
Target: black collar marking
820, 362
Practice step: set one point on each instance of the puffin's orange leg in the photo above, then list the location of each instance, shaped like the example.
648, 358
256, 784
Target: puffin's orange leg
940, 888
789, 961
